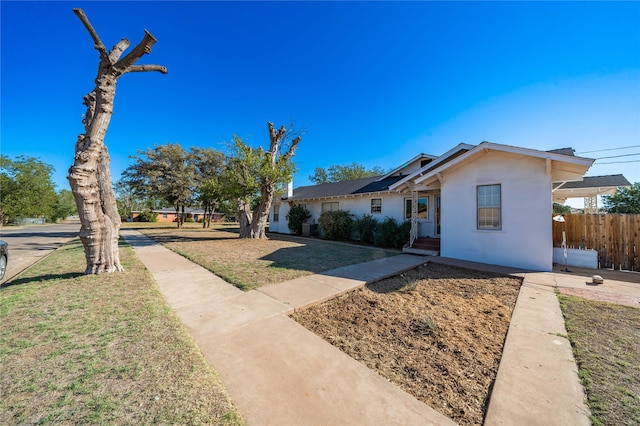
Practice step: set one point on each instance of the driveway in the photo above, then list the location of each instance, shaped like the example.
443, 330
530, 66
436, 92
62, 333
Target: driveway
29, 244
621, 287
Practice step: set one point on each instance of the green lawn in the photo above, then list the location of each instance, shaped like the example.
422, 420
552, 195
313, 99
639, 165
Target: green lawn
100, 349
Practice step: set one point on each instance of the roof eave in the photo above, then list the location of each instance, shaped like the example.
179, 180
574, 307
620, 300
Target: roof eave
576, 173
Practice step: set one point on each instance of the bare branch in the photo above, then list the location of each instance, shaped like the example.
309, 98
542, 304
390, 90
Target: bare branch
117, 50
142, 48
92, 32
272, 132
292, 148
142, 68
281, 133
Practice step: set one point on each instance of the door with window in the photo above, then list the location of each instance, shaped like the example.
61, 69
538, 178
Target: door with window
422, 213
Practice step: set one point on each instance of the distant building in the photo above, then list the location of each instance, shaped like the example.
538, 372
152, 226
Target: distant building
169, 215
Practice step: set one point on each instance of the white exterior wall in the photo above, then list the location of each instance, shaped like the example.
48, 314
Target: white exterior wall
281, 225
392, 206
525, 240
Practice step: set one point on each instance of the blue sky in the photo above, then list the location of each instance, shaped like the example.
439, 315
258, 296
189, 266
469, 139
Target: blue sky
372, 82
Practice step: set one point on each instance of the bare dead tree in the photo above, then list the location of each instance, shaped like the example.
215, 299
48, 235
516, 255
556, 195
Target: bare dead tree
90, 175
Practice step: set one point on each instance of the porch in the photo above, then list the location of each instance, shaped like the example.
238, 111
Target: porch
424, 246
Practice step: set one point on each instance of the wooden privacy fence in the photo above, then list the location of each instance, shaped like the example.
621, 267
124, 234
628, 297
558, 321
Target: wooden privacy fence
616, 237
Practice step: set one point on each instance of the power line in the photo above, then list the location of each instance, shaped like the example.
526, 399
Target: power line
618, 162
618, 156
608, 149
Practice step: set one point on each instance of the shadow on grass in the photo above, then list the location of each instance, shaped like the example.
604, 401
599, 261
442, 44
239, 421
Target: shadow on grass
320, 256
49, 277
175, 238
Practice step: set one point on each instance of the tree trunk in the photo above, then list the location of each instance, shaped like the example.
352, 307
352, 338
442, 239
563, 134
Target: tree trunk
244, 218
254, 225
90, 176
261, 214
177, 215
90, 182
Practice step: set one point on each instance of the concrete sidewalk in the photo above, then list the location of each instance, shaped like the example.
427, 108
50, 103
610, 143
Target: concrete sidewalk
537, 381
277, 372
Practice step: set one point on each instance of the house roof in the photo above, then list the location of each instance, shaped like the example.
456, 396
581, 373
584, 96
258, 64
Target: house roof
561, 167
565, 168
349, 187
588, 187
563, 151
596, 181
454, 152
400, 168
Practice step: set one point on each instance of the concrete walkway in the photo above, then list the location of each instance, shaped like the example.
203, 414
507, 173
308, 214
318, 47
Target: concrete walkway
279, 373
537, 381
276, 371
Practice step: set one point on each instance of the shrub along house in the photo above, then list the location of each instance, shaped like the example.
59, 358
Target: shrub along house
488, 203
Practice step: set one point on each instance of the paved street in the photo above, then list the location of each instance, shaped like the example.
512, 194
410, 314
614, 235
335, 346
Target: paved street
28, 244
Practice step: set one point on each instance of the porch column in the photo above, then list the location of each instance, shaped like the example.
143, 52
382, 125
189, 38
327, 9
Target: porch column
414, 218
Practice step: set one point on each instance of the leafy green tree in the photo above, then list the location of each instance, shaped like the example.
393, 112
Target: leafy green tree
166, 172
148, 216
625, 200
26, 189
297, 215
561, 209
129, 200
65, 205
254, 174
209, 166
228, 209
340, 173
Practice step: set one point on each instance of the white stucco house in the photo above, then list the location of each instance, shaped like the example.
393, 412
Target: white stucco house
488, 203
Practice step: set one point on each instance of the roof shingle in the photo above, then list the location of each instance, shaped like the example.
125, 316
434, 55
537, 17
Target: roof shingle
348, 187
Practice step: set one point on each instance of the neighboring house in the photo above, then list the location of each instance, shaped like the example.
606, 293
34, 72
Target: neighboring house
169, 215
488, 203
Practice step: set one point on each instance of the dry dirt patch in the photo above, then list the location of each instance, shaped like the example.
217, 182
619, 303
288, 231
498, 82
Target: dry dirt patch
436, 331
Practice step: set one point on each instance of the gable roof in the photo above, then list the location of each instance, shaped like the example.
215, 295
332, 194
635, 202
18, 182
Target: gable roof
400, 168
561, 167
344, 188
454, 152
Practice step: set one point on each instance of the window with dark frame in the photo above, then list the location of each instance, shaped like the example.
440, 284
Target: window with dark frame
276, 212
489, 202
376, 205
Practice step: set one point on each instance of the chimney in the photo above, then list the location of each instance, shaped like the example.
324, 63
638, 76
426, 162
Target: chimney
290, 189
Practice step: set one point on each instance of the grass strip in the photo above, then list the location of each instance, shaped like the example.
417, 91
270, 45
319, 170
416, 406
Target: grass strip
606, 344
100, 349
